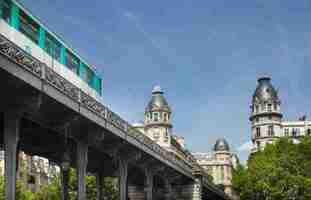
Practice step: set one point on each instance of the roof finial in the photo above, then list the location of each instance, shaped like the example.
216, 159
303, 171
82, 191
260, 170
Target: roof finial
157, 90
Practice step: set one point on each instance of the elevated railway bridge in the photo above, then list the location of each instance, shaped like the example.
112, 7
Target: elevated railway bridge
44, 114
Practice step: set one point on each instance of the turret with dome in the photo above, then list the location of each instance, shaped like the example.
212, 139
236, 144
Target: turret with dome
158, 118
266, 114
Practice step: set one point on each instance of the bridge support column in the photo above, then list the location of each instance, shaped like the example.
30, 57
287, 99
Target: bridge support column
99, 186
11, 136
123, 179
168, 190
149, 184
82, 151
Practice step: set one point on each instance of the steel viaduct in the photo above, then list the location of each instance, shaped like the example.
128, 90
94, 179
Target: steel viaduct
42, 113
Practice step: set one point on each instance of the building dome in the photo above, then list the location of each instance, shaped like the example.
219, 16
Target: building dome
157, 102
221, 145
265, 91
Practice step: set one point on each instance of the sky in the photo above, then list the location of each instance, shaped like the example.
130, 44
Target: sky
206, 55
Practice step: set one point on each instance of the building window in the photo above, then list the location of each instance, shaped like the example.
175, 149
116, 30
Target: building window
257, 131
270, 130
256, 108
166, 135
309, 132
275, 107
263, 107
258, 144
155, 116
269, 107
286, 132
165, 117
52, 46
72, 62
5, 10
257, 119
295, 132
29, 27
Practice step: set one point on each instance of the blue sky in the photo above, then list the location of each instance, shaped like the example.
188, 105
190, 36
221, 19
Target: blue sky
206, 55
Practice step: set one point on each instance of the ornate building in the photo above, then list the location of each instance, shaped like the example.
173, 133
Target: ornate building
158, 126
219, 164
267, 119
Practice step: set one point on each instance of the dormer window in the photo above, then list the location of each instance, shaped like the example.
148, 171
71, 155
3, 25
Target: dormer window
156, 116
165, 117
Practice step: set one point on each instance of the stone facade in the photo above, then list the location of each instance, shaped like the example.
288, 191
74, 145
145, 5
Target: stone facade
267, 124
219, 164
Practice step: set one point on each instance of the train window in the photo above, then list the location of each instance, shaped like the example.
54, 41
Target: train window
29, 27
5, 10
72, 62
97, 83
89, 76
52, 46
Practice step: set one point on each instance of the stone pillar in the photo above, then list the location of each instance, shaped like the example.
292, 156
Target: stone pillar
123, 176
11, 136
99, 186
82, 151
64, 182
149, 184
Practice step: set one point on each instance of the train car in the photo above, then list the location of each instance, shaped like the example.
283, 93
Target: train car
22, 28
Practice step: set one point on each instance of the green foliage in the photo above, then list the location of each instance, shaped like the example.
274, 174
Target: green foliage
52, 190
281, 172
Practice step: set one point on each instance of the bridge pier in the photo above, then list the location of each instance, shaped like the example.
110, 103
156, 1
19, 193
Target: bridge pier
11, 136
168, 190
149, 184
82, 151
123, 179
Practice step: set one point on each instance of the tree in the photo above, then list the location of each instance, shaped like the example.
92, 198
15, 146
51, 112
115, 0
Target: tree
282, 171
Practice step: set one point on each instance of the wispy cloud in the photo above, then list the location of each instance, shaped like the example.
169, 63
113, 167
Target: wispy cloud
247, 146
135, 20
